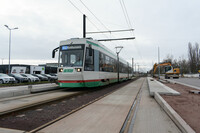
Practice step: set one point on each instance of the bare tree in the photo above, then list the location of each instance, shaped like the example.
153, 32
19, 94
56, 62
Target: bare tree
197, 56
193, 55
184, 65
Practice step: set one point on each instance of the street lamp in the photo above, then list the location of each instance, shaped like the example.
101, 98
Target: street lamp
118, 50
10, 43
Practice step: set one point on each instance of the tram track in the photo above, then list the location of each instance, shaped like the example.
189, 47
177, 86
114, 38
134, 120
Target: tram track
74, 104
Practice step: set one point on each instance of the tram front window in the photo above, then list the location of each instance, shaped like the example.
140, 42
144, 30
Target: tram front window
71, 55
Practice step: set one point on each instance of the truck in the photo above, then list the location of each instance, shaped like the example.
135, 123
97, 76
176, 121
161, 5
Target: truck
169, 70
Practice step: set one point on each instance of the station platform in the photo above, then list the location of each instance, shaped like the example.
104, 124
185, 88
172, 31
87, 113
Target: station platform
151, 118
6, 92
109, 113
155, 86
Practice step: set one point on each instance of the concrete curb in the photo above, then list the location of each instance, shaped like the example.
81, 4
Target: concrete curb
25, 90
13, 93
182, 125
6, 130
155, 86
45, 87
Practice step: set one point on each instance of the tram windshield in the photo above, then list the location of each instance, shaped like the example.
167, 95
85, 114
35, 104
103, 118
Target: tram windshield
71, 55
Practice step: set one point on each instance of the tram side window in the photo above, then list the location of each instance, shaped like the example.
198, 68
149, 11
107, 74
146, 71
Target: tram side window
112, 65
89, 61
101, 62
107, 63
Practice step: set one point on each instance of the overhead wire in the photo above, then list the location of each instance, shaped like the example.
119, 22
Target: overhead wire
95, 26
93, 15
88, 18
127, 18
76, 7
97, 19
82, 14
127, 14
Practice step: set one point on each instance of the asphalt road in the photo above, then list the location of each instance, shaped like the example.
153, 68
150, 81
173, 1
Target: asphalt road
189, 81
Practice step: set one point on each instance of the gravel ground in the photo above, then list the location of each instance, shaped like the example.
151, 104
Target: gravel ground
187, 105
30, 119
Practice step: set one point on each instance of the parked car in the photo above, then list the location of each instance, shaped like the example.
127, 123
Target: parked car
42, 78
55, 75
31, 78
19, 78
4, 78
50, 78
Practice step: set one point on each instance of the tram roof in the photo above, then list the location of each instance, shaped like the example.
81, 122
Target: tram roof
93, 43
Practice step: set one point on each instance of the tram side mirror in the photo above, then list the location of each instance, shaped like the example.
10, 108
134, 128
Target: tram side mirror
90, 51
54, 51
53, 54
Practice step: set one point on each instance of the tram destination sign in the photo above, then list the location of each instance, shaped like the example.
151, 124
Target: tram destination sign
70, 47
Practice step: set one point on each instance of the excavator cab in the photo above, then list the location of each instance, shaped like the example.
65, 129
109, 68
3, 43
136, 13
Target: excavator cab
168, 68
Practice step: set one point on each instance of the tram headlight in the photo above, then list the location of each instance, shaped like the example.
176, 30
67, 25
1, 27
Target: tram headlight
61, 70
78, 69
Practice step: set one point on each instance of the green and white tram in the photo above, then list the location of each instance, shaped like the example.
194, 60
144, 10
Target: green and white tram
87, 63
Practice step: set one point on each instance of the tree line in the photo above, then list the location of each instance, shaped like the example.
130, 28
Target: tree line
190, 65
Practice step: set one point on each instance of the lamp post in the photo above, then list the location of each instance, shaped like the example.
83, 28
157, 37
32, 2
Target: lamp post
10, 29
118, 51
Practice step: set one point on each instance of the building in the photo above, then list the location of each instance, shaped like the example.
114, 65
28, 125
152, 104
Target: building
30, 69
50, 67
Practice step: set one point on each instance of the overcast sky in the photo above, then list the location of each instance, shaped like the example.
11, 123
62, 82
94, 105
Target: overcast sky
169, 24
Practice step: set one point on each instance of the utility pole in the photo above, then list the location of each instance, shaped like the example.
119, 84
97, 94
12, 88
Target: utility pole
135, 68
84, 26
158, 63
132, 66
117, 52
128, 69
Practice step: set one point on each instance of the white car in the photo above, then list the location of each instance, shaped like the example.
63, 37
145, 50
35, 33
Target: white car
31, 77
4, 78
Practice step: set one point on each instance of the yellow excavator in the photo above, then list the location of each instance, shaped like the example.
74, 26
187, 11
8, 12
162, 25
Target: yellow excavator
169, 70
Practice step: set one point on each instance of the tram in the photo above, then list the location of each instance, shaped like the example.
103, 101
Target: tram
84, 62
